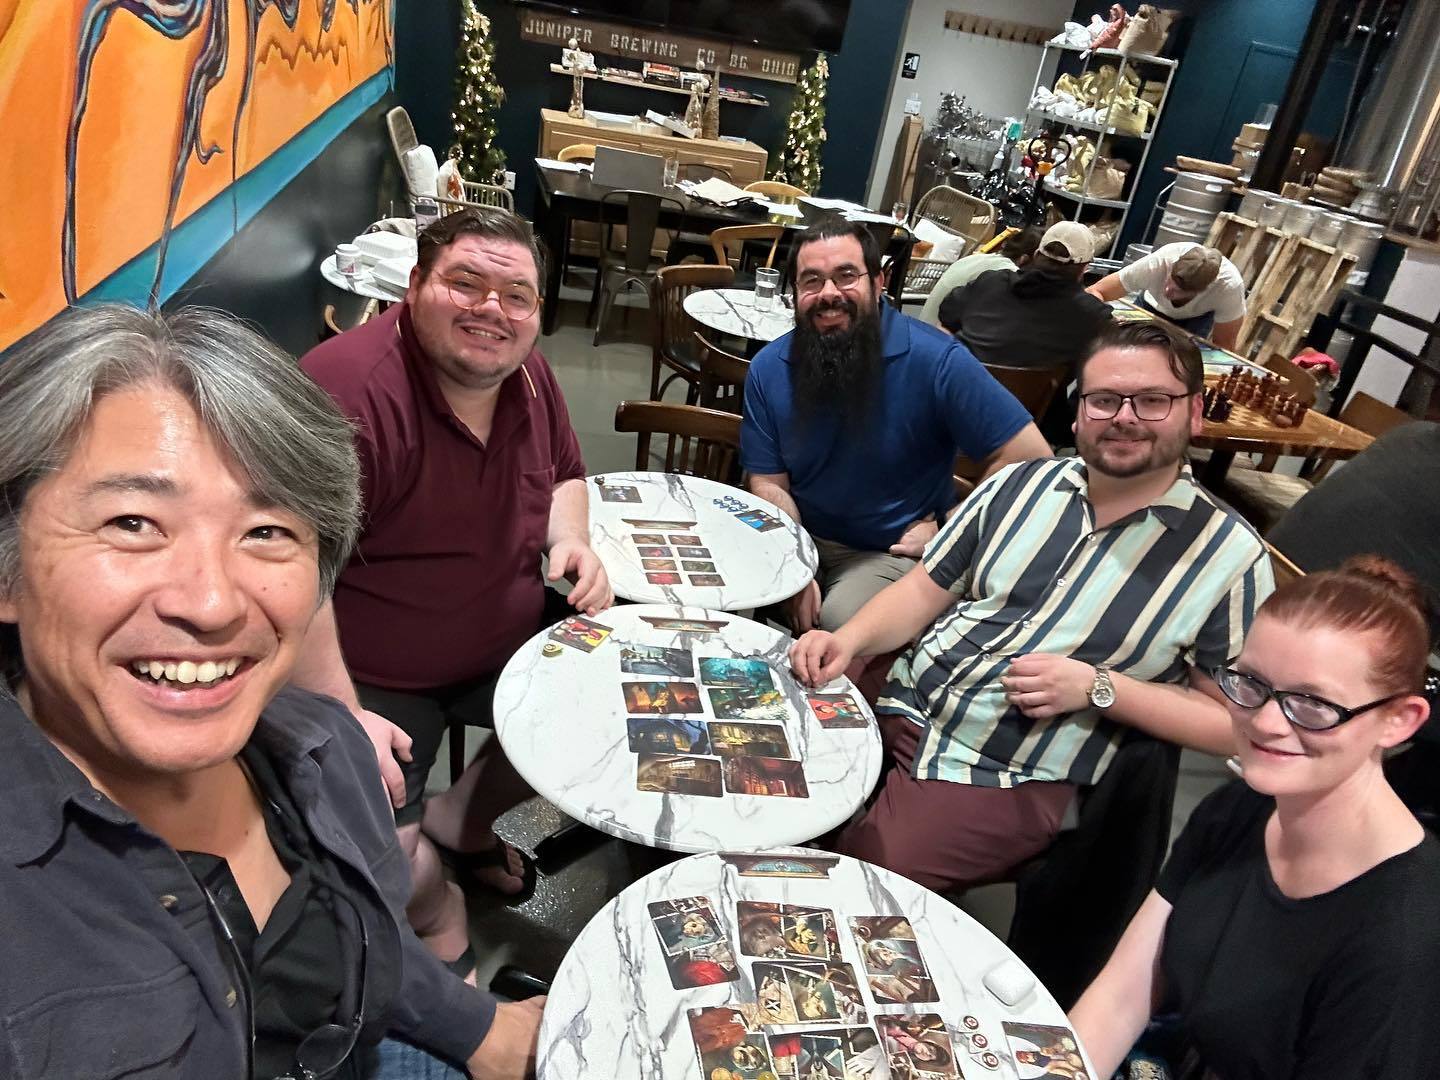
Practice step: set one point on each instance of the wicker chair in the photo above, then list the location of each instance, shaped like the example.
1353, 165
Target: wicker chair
958, 212
922, 275
402, 139
699, 442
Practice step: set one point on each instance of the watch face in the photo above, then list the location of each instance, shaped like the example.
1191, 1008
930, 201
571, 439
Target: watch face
1102, 695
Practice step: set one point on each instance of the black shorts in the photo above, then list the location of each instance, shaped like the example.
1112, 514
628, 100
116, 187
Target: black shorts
425, 715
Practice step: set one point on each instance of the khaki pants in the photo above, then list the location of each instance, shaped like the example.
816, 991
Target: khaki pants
849, 577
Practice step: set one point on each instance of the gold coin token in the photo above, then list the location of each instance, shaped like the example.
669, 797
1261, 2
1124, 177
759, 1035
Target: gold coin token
550, 650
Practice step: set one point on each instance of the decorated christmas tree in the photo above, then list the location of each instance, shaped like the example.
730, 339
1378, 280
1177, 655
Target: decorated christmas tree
477, 101
805, 131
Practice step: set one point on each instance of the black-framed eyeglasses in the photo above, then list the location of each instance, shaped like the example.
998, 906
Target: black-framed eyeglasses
844, 279
1151, 405
518, 301
322, 1052
1303, 710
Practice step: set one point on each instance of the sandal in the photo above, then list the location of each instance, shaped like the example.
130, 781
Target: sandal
466, 863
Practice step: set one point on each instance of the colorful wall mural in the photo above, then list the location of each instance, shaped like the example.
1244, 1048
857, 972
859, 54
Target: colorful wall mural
137, 136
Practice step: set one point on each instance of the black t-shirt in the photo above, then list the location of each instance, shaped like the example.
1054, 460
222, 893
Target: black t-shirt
308, 955
1340, 986
1028, 318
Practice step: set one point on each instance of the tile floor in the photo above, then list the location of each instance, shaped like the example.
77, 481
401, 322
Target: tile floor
594, 381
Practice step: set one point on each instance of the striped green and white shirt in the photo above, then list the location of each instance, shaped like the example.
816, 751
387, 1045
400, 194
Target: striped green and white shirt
1167, 588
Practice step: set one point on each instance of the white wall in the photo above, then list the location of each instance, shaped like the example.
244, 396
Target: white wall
1416, 290
994, 76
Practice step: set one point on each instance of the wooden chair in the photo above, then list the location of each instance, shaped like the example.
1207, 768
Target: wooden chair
632, 264
700, 442
699, 172
672, 343
1262, 496
582, 151
1033, 387
729, 242
958, 212
722, 377
1285, 570
776, 190
1299, 383
332, 320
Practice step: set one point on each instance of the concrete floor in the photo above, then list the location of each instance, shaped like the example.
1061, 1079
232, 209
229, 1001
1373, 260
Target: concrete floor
536, 934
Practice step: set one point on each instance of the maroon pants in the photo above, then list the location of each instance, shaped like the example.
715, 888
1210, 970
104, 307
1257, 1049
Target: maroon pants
949, 836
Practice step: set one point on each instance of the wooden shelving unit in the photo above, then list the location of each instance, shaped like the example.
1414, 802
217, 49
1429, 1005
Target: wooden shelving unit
641, 84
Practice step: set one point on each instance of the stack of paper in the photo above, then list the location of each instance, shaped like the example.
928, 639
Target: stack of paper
720, 191
563, 166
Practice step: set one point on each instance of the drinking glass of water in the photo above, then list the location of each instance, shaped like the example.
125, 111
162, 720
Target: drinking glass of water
672, 171
767, 284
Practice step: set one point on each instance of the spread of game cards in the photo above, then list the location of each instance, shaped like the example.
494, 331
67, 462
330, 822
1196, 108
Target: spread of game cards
661, 709
795, 965
683, 539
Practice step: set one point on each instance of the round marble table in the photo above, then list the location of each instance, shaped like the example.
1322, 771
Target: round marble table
666, 730
362, 284
749, 552
733, 311
715, 926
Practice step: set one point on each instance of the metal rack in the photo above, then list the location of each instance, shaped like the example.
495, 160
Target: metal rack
1081, 202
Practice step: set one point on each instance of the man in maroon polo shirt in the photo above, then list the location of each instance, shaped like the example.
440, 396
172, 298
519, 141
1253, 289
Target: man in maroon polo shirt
471, 471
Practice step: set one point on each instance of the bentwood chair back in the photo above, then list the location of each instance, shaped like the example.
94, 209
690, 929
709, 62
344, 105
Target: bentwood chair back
698, 442
699, 172
632, 264
776, 190
958, 211
1285, 570
583, 151
1299, 383
729, 243
672, 345
1032, 387
722, 377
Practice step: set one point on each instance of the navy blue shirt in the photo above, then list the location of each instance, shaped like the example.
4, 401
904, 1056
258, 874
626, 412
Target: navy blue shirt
861, 485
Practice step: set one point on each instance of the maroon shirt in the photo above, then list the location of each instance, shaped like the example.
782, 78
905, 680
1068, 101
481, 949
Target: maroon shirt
445, 583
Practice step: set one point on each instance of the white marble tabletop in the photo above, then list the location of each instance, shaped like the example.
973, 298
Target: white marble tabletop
362, 284
643, 526
913, 1004
733, 311
658, 733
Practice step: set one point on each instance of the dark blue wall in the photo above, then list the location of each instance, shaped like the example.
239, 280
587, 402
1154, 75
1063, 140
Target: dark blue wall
427, 33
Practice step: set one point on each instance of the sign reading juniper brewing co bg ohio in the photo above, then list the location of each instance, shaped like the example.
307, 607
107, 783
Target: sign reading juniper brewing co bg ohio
661, 46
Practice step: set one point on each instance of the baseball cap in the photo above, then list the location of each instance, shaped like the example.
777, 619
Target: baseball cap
1068, 242
1196, 269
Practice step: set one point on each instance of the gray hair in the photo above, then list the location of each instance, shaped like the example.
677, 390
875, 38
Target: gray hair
286, 437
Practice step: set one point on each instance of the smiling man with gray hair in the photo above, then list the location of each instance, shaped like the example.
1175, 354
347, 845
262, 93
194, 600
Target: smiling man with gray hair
199, 872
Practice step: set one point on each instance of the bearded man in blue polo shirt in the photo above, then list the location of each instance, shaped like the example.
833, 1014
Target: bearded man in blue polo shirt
853, 422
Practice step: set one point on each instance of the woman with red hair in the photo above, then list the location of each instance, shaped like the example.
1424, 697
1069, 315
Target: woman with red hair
1295, 929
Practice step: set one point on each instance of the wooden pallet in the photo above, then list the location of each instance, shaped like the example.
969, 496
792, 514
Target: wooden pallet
1288, 281
1246, 243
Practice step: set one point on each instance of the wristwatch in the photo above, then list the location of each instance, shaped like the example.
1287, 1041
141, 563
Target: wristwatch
1102, 690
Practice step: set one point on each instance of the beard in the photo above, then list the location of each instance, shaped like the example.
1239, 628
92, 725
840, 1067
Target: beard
836, 372
1165, 450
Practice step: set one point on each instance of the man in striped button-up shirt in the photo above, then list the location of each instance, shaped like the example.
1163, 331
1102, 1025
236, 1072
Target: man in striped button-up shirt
1064, 604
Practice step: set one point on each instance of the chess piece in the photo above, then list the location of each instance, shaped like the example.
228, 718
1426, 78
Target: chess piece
1223, 408
1208, 402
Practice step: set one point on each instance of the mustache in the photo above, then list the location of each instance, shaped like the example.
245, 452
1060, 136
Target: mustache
834, 303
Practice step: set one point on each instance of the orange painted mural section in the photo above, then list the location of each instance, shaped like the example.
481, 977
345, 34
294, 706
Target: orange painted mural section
131, 129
